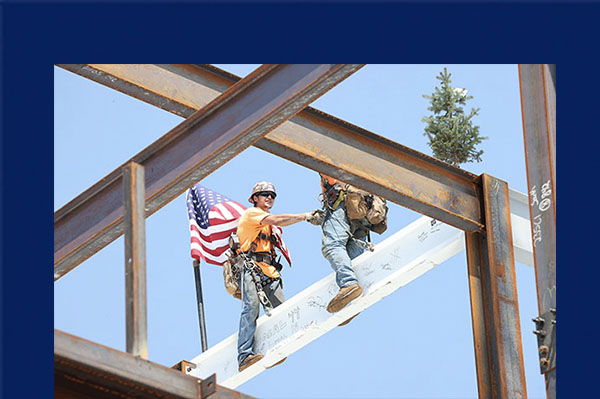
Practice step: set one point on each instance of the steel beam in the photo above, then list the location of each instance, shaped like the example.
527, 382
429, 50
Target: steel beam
135, 260
538, 101
84, 369
316, 140
380, 166
181, 89
494, 304
199, 145
395, 262
423, 245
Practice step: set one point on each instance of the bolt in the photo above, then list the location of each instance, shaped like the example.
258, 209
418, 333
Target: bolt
188, 369
543, 350
553, 311
544, 362
554, 322
538, 320
540, 333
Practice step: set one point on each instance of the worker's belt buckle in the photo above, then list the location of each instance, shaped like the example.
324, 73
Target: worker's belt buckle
266, 280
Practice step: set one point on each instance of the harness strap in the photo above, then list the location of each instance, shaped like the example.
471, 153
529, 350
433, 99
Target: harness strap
265, 257
337, 202
329, 194
262, 236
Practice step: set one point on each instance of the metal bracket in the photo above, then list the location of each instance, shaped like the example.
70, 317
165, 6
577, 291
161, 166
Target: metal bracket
184, 366
545, 329
208, 386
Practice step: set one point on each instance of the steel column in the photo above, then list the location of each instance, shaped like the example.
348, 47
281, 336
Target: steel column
84, 369
494, 304
247, 111
135, 260
538, 101
316, 140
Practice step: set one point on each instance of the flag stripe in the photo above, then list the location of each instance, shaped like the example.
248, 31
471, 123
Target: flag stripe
212, 237
235, 208
224, 211
211, 246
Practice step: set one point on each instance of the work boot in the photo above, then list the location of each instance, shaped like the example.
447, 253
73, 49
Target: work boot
344, 297
348, 321
279, 362
249, 361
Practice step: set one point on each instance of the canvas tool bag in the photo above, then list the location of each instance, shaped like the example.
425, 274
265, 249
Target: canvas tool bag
231, 273
362, 204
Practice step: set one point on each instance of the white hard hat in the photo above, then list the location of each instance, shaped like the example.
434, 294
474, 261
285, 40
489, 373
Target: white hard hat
260, 187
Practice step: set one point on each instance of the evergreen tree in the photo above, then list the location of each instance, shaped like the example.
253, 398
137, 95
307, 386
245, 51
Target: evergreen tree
452, 136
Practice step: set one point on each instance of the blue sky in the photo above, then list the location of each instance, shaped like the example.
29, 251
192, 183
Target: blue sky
415, 343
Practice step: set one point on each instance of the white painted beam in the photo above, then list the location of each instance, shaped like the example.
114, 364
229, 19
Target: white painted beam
521, 227
398, 260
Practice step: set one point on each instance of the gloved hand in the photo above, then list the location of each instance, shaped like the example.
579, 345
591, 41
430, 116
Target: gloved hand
315, 217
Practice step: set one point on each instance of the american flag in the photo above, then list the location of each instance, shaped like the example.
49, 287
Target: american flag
213, 218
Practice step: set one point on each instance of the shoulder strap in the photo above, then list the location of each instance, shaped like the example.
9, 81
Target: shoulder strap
262, 236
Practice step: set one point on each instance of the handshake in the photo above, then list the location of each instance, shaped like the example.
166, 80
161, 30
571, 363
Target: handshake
315, 217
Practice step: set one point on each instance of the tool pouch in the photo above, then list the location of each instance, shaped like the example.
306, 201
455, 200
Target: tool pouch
231, 275
356, 206
377, 211
361, 204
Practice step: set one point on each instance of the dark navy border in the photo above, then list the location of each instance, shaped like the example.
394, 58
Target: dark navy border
36, 36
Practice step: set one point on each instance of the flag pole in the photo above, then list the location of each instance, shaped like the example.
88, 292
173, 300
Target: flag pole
196, 264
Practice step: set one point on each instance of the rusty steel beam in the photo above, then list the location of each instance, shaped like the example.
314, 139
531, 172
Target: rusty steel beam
135, 260
538, 102
494, 304
380, 166
84, 369
179, 89
316, 140
236, 119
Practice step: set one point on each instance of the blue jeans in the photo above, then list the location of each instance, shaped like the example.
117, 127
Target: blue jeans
338, 247
250, 310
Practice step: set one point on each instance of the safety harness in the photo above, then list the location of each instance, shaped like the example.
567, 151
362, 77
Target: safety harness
332, 198
333, 194
259, 278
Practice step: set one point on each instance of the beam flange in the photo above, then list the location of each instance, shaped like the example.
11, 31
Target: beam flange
84, 369
315, 140
195, 148
494, 303
380, 166
538, 102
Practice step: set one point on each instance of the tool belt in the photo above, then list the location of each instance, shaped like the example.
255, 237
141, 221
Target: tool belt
267, 258
264, 257
262, 277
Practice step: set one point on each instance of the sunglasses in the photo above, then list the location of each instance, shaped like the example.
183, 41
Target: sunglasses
267, 194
